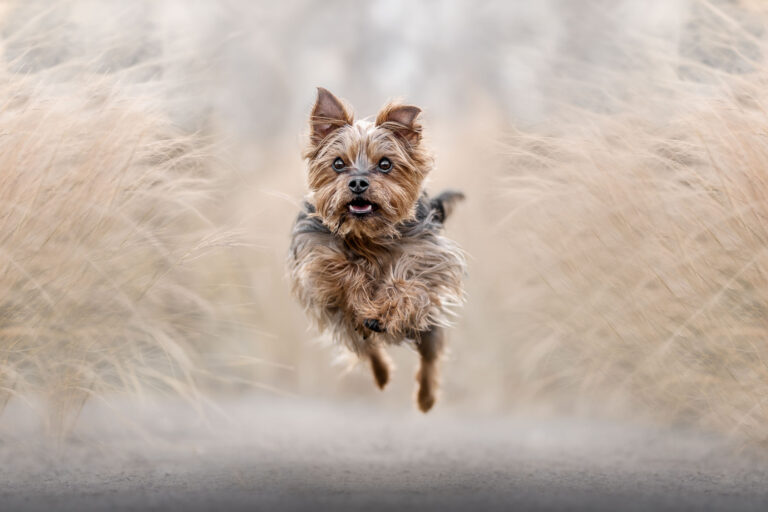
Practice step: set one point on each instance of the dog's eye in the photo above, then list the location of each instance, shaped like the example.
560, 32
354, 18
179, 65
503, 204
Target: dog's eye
385, 165
338, 164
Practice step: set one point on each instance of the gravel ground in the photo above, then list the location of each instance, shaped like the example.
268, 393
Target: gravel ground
296, 455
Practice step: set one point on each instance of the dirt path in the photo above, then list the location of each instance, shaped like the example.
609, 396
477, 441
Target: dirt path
294, 455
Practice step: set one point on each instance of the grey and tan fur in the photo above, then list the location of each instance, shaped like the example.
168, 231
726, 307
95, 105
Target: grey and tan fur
367, 260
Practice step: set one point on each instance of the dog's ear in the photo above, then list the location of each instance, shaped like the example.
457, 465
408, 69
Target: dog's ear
328, 115
401, 119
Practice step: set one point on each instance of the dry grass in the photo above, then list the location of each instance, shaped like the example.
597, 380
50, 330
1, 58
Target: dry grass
121, 269
100, 213
646, 242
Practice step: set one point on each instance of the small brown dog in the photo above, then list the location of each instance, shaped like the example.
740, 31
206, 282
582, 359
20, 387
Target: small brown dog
367, 260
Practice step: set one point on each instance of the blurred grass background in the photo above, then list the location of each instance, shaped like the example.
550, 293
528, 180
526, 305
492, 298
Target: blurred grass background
612, 154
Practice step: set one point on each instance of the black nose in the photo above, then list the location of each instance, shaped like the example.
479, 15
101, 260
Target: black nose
358, 185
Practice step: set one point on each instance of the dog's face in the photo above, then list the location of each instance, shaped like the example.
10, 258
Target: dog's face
364, 176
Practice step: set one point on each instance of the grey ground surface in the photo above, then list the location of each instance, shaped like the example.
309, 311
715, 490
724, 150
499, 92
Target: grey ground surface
297, 455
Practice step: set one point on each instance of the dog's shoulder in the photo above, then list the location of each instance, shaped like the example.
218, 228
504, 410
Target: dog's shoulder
308, 230
308, 223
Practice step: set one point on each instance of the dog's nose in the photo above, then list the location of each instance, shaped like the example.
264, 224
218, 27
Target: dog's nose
358, 185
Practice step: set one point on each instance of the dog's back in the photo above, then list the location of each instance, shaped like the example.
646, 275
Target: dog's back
443, 204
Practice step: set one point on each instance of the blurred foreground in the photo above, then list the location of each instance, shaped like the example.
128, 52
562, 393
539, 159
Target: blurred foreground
311, 455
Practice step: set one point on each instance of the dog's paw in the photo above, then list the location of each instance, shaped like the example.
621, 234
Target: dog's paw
373, 324
425, 398
427, 394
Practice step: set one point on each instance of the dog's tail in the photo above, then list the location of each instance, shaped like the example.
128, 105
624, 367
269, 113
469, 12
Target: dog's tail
443, 204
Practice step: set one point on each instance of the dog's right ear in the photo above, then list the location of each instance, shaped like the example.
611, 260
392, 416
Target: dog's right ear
328, 115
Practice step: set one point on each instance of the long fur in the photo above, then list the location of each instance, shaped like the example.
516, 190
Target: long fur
386, 277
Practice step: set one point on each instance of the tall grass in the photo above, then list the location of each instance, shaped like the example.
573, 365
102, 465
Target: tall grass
647, 235
100, 214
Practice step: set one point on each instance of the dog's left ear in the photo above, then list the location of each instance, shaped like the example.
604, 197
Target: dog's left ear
401, 119
328, 115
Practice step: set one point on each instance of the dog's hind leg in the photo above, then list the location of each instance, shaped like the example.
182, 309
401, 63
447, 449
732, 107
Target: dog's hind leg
430, 346
380, 365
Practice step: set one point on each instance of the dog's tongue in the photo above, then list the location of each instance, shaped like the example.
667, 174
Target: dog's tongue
361, 208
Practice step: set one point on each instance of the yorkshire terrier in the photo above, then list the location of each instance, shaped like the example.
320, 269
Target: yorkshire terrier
367, 260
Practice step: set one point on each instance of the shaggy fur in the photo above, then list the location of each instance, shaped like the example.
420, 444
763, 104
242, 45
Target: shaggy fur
367, 260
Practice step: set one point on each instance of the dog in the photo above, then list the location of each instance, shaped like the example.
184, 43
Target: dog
367, 259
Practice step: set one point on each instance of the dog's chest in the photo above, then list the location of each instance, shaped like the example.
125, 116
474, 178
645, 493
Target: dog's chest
380, 266
375, 270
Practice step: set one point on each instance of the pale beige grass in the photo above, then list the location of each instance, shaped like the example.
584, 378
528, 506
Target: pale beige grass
100, 219
648, 237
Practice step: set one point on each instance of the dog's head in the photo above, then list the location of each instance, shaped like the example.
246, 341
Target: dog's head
365, 177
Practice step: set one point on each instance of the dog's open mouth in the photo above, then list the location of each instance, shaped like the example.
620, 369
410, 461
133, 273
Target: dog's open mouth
361, 207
